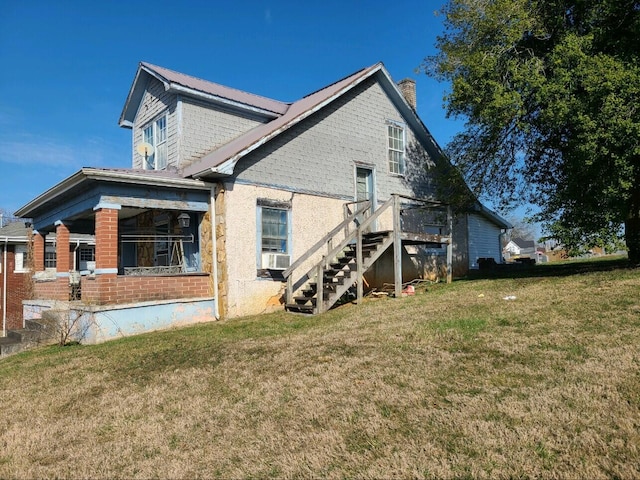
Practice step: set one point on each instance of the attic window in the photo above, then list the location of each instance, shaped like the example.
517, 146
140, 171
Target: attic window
395, 133
156, 135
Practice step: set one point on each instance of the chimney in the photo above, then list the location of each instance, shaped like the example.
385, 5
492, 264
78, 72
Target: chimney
408, 89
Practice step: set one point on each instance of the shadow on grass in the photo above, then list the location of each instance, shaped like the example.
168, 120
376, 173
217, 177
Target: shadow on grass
553, 269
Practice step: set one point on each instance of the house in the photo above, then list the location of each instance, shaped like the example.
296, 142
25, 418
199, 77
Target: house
15, 269
236, 204
520, 248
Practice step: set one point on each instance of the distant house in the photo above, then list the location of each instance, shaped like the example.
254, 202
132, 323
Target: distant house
16, 270
521, 248
236, 204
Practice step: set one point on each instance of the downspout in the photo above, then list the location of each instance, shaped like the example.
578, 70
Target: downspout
75, 259
4, 287
214, 254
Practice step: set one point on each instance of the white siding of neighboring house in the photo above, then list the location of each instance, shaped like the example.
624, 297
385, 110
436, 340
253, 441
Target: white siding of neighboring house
484, 240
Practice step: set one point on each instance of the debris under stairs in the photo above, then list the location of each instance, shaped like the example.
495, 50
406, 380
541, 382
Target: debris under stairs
340, 276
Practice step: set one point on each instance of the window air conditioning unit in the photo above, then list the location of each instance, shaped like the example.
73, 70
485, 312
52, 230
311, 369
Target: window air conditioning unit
276, 261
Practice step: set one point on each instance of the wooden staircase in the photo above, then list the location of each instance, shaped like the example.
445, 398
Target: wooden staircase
340, 276
352, 249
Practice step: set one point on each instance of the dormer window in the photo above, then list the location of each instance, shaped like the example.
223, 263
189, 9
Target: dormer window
395, 132
156, 135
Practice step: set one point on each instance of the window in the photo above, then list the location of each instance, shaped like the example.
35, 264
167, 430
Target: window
274, 230
156, 135
50, 256
21, 259
273, 236
396, 148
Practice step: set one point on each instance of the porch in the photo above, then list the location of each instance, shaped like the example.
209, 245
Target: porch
354, 246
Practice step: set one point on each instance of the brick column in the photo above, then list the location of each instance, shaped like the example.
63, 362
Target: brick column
107, 239
63, 256
38, 251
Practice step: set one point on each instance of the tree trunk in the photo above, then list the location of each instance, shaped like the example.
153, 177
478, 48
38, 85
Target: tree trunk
632, 225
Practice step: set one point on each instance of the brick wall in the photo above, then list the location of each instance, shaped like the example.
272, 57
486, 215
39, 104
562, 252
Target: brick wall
111, 289
17, 290
57, 289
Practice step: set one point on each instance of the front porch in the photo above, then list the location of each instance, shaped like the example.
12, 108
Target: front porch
153, 245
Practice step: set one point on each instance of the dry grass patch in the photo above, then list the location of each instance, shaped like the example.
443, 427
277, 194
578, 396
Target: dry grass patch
455, 382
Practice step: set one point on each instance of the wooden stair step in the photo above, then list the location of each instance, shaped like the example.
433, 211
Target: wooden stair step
295, 307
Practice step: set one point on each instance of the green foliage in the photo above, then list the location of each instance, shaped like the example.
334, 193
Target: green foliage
550, 90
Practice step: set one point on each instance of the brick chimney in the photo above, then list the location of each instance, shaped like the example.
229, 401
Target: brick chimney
408, 89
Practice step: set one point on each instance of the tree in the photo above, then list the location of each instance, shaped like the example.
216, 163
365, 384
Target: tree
550, 90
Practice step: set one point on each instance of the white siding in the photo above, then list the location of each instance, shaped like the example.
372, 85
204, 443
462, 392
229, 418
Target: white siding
484, 240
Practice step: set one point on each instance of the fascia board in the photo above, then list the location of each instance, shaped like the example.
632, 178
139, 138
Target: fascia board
220, 100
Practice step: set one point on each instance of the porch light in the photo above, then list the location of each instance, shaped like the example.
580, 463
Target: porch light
184, 220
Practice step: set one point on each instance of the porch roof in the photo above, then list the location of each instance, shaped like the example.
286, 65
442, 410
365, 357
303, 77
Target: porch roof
75, 197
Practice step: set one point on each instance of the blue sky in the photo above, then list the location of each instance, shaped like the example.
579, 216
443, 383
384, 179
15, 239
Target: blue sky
67, 67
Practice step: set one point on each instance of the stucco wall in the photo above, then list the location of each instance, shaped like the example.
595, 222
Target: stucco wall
312, 217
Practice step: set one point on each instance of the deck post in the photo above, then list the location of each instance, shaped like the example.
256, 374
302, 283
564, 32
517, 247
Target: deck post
289, 291
397, 247
320, 287
449, 245
359, 266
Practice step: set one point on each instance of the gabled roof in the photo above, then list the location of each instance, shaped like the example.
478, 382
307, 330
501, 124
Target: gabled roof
522, 243
222, 161
198, 88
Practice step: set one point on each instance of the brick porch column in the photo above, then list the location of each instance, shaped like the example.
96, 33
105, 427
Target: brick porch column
63, 256
38, 251
107, 239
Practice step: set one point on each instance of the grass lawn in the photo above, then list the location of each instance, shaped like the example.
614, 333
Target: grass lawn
455, 381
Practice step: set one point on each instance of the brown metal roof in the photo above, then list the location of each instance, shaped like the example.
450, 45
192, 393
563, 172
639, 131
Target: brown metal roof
215, 89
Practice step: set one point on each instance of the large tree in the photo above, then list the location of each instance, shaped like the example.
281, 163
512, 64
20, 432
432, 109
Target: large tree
550, 90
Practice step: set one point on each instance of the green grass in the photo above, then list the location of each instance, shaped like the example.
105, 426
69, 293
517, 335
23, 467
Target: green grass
454, 382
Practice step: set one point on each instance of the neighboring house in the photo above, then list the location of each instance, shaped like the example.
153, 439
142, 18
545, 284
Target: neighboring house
16, 273
235, 202
520, 248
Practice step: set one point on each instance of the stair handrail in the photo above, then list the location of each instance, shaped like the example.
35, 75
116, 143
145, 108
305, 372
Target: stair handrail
325, 241
333, 251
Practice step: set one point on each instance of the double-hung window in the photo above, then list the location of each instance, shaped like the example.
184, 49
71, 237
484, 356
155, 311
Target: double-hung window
396, 146
50, 256
274, 235
156, 135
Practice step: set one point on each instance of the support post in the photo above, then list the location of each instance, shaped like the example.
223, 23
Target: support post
320, 287
397, 247
359, 266
449, 245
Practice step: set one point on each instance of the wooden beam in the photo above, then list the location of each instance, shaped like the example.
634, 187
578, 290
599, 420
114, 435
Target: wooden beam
397, 247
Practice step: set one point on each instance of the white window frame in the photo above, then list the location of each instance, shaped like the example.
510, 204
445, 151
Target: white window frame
20, 256
396, 147
259, 227
155, 134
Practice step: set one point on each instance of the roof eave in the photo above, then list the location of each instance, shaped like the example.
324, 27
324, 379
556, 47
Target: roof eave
86, 174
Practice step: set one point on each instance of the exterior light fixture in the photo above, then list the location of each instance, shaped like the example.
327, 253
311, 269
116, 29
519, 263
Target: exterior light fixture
184, 220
